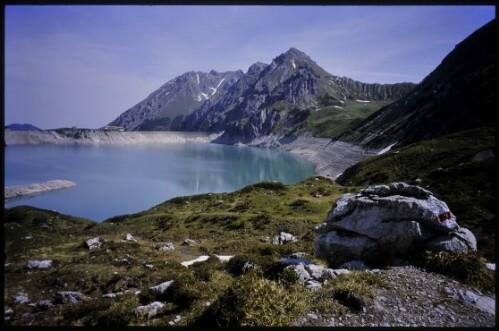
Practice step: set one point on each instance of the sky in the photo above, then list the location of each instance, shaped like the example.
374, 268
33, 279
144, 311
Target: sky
85, 65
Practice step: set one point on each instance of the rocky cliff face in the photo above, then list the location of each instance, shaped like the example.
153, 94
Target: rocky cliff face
178, 97
270, 98
277, 98
459, 94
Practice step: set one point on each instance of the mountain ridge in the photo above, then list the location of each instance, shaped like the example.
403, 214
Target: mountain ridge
292, 81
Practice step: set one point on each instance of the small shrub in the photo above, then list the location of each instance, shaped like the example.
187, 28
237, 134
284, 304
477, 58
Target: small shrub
268, 265
267, 185
185, 291
255, 301
466, 267
355, 288
204, 270
120, 313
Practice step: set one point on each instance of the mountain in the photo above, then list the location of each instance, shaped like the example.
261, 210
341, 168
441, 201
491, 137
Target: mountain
21, 127
278, 98
177, 97
459, 94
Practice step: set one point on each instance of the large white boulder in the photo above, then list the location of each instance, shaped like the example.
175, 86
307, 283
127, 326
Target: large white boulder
386, 221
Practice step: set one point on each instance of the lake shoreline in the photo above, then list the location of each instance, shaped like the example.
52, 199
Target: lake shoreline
330, 157
20, 191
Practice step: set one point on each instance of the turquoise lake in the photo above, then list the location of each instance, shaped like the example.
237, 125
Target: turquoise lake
117, 180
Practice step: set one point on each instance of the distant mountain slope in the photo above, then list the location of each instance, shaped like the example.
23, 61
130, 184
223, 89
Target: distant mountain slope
179, 96
22, 127
459, 94
279, 97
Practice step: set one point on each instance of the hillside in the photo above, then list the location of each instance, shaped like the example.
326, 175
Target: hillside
105, 285
459, 168
459, 94
178, 97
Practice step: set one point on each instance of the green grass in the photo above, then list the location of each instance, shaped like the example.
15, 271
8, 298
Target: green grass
330, 121
240, 223
445, 167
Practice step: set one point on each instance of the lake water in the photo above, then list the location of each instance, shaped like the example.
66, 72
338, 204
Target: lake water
116, 180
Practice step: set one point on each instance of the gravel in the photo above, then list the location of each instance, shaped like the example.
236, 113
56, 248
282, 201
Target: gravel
415, 298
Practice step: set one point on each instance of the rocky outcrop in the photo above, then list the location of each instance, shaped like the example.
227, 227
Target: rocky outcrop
277, 98
18, 191
176, 98
387, 222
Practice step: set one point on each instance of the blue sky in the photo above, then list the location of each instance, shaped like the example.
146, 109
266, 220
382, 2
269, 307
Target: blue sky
84, 65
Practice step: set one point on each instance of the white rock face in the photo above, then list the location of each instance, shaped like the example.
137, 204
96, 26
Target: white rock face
387, 221
18, 191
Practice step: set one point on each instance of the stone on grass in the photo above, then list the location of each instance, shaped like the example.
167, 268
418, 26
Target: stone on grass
161, 288
315, 271
283, 238
68, 297
39, 264
129, 237
93, 243
188, 242
44, 304
301, 272
167, 247
385, 222
21, 299
149, 310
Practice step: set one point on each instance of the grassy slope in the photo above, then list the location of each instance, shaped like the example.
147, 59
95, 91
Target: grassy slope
225, 224
444, 166
330, 122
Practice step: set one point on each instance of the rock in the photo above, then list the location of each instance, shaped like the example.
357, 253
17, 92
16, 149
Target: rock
167, 247
461, 240
293, 261
21, 299
315, 271
188, 242
150, 310
44, 304
283, 238
354, 265
387, 221
312, 284
490, 266
486, 304
68, 297
149, 266
328, 274
300, 271
129, 237
93, 243
161, 288
39, 264
338, 272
